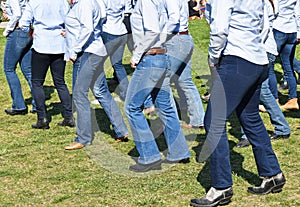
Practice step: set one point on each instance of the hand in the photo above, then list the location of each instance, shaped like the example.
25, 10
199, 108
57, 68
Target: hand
213, 62
73, 60
63, 33
30, 33
298, 41
132, 64
5, 15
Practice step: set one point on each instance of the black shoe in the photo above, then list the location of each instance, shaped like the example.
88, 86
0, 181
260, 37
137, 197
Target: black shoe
68, 121
213, 197
13, 112
276, 136
269, 184
243, 143
183, 161
41, 124
147, 167
33, 111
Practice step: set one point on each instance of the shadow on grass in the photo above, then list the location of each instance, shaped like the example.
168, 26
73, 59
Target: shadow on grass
236, 166
102, 122
157, 129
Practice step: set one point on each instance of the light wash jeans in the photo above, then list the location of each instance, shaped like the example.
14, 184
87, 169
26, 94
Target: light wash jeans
149, 77
17, 50
180, 50
91, 70
281, 126
115, 45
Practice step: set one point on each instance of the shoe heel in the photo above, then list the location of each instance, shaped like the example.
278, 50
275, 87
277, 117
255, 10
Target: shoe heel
278, 188
225, 201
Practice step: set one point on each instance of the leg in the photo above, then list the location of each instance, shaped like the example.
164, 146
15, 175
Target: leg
287, 54
225, 98
180, 49
87, 75
26, 70
178, 149
57, 67
281, 127
115, 45
143, 81
14, 48
103, 95
40, 63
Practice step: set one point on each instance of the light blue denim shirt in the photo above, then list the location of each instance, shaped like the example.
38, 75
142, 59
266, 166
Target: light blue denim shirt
115, 10
178, 14
235, 30
14, 10
149, 26
47, 18
288, 19
83, 28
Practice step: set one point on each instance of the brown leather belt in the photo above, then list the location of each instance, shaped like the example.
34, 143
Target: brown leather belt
182, 33
156, 51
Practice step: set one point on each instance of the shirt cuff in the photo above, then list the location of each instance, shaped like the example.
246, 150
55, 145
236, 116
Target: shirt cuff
136, 58
73, 55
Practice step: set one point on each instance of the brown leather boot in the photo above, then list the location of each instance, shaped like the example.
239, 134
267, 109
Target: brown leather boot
292, 104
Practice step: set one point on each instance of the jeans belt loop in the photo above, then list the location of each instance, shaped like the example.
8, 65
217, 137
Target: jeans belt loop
156, 51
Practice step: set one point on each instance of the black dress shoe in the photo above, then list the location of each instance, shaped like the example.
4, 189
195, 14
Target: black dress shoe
146, 167
269, 184
33, 111
41, 124
213, 198
68, 121
243, 143
13, 112
276, 136
183, 161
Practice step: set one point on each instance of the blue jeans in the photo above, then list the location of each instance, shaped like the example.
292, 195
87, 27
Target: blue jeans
17, 50
224, 100
180, 49
115, 45
149, 76
286, 46
296, 64
281, 127
90, 70
40, 63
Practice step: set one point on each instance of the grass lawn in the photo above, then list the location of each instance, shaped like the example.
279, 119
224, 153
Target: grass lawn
35, 170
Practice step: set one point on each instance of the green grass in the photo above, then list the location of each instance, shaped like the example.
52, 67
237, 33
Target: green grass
35, 170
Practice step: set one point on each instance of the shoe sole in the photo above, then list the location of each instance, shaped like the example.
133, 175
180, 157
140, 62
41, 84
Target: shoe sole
46, 127
153, 167
221, 202
20, 113
274, 189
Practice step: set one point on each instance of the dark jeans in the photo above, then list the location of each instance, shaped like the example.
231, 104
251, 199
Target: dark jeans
40, 63
236, 87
